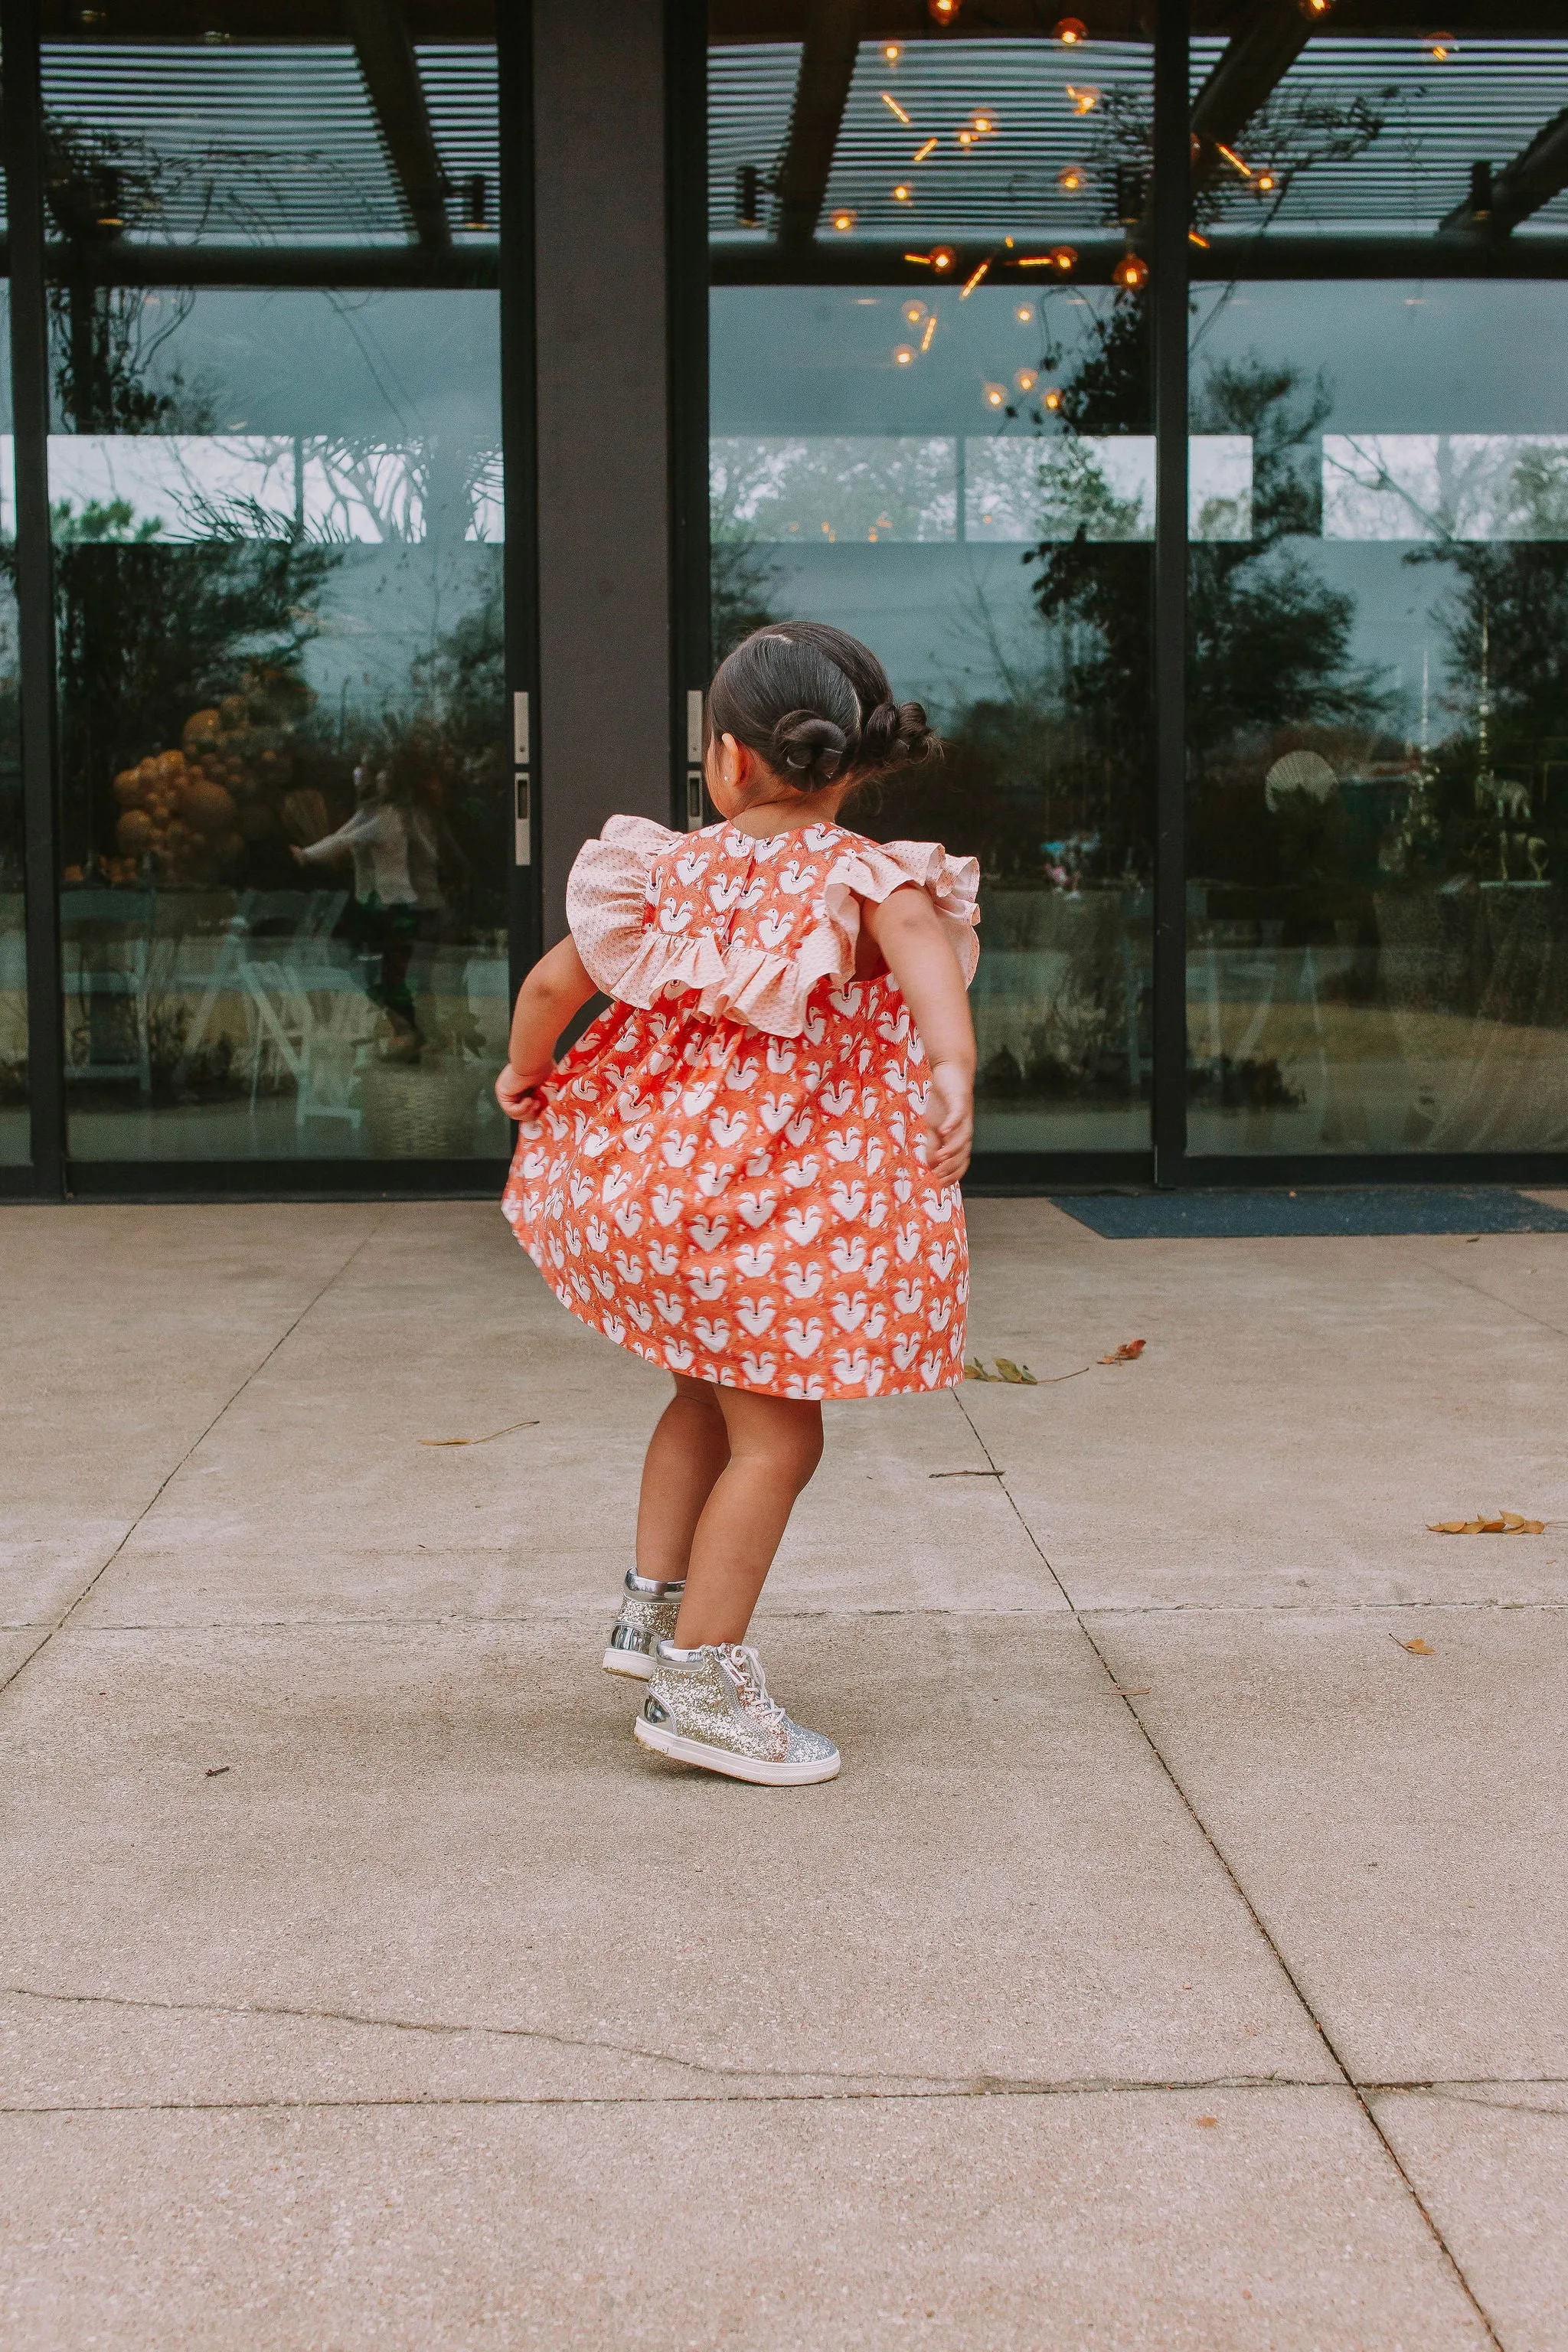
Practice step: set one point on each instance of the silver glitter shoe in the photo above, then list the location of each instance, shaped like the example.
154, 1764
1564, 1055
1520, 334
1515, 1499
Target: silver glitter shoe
648, 1614
710, 1707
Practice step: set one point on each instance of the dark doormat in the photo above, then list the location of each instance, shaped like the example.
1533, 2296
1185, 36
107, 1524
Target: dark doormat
1351, 1209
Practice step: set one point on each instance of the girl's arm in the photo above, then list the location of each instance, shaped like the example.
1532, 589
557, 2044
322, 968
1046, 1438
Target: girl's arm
554, 990
908, 931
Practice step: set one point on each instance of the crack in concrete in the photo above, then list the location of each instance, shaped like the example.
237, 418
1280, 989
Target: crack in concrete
1286, 1971
855, 2083
163, 1484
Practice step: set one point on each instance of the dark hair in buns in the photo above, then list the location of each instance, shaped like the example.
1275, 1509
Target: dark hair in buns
814, 703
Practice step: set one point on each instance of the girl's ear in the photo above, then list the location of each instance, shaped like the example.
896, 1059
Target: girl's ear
733, 760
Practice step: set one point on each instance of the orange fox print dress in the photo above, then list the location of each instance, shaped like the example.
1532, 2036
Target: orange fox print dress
727, 1172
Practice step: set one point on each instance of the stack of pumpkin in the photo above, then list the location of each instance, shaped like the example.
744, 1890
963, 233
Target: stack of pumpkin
191, 813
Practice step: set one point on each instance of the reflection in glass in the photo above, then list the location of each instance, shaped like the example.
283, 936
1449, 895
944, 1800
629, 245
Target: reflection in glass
1378, 684
950, 456
277, 521
15, 1142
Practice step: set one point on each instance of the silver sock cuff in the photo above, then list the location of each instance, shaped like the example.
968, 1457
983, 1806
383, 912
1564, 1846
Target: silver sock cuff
675, 1656
653, 1588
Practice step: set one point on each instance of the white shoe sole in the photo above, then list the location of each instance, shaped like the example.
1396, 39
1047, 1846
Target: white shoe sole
636, 1662
734, 1768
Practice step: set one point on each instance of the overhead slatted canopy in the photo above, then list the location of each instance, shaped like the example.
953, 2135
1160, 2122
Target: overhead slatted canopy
1364, 137
264, 143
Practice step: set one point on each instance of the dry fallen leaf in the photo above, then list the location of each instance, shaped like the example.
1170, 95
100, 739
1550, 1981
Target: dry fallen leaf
976, 1371
480, 1441
1128, 1353
1019, 1375
1417, 1649
1208, 2121
1497, 1523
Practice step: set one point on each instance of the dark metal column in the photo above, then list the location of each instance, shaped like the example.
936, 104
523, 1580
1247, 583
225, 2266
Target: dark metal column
23, 130
686, 77
1168, 260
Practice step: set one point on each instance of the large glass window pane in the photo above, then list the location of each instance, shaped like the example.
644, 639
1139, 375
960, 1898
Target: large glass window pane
1377, 924
931, 420
16, 1145
278, 521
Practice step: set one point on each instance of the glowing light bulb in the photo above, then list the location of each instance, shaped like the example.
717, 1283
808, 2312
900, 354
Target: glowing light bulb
891, 52
1081, 97
1052, 399
914, 313
1131, 271
844, 221
966, 138
1025, 379
995, 395
1024, 315
1071, 180
931, 330
1071, 31
1440, 47
1064, 257
904, 356
1263, 182
903, 193
942, 12
927, 147
983, 125
943, 257
892, 103
1314, 10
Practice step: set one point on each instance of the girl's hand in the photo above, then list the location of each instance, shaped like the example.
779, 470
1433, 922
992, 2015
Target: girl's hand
513, 1087
949, 1122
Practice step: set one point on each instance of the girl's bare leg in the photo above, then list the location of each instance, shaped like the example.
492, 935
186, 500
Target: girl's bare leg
686, 1454
775, 1445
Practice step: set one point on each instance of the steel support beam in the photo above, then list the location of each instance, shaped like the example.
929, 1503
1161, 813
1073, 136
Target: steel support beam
1244, 77
1531, 180
826, 68
392, 80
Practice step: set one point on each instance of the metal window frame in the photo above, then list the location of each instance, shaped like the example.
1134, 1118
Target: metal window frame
54, 1175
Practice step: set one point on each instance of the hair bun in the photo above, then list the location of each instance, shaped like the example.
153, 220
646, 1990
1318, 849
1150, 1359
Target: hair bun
895, 734
810, 748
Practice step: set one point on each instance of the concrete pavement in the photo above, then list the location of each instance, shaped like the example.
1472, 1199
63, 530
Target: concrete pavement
1178, 1961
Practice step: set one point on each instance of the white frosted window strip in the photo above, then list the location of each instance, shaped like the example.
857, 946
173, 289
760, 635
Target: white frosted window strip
1437, 486
193, 487
848, 487
8, 485
1101, 486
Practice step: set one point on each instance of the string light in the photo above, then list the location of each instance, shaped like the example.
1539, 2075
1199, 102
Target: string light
995, 395
1263, 182
928, 147
1132, 272
931, 330
845, 221
1314, 10
892, 103
983, 125
1193, 238
914, 313
1233, 159
1025, 379
1024, 315
1071, 31
1052, 399
943, 257
1082, 98
903, 193
966, 138
904, 356
942, 12
891, 52
1440, 47
976, 279
1064, 257
1071, 180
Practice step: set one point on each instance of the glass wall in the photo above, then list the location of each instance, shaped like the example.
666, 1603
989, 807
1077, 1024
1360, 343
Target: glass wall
1378, 683
277, 515
16, 1145
930, 407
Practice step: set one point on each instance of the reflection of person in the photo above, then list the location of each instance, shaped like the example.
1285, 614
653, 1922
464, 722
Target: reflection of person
730, 1173
395, 879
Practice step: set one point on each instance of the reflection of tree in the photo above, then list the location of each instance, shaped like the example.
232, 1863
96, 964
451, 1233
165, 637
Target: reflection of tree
742, 580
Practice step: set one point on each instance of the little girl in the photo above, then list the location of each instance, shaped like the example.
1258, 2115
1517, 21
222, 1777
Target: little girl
746, 1169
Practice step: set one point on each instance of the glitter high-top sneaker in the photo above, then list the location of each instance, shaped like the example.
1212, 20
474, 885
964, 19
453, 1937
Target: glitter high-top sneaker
710, 1707
648, 1614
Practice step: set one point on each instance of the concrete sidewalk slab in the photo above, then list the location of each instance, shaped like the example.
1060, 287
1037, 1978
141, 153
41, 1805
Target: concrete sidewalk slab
452, 1826
1396, 1819
1490, 2162
979, 2225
